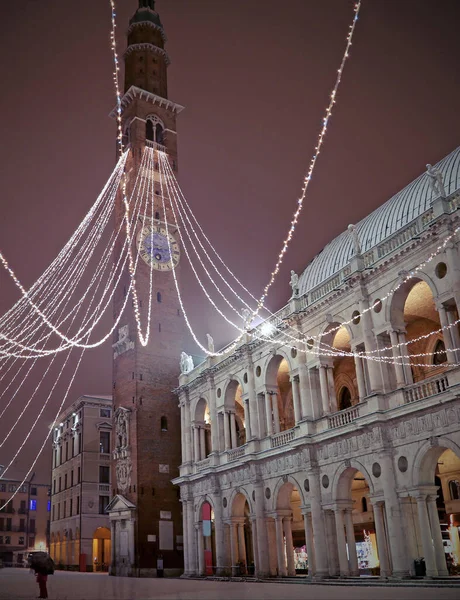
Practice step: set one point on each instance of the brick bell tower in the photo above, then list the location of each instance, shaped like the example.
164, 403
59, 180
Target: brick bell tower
145, 512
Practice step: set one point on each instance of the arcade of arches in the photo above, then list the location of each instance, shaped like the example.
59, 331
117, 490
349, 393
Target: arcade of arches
353, 533
65, 550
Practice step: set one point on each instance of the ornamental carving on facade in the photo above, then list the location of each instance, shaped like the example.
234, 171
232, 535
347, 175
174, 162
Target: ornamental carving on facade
123, 470
121, 418
124, 343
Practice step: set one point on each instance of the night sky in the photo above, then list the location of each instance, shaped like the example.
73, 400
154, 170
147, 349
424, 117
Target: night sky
255, 77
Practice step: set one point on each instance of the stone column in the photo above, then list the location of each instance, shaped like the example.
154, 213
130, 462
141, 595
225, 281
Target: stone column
227, 431
309, 543
289, 546
304, 389
233, 430
360, 376
351, 543
268, 413
425, 530
213, 415
405, 356
381, 540
241, 544
262, 541
446, 333
113, 548
341, 544
332, 543
454, 332
219, 536
295, 398
282, 571
247, 420
200, 546
202, 442
319, 532
233, 544
185, 538
399, 369
375, 376
196, 440
324, 389
332, 396
440, 555
253, 431
276, 414
188, 434
182, 429
255, 546
192, 553
396, 541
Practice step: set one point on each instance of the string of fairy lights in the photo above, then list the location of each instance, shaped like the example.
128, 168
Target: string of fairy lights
61, 312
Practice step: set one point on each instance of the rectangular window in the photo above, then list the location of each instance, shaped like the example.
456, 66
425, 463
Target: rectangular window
60, 482
33, 491
105, 413
32, 526
104, 474
65, 509
59, 510
78, 475
71, 507
104, 443
32, 505
2, 523
55, 458
21, 540
65, 481
78, 505
22, 508
79, 443
67, 450
11, 488
2, 487
103, 503
54, 512
7, 539
48, 506
31, 542
71, 478
24, 489
22, 524
8, 525
54, 486
60, 455
1, 539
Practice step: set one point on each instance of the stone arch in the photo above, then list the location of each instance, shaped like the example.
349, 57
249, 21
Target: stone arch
199, 505
233, 402
237, 501
343, 478
229, 390
272, 363
283, 490
329, 330
427, 456
394, 309
200, 409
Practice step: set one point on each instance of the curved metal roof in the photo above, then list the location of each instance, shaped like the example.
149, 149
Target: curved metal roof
382, 223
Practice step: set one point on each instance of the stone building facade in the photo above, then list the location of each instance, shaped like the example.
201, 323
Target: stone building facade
25, 521
81, 485
304, 457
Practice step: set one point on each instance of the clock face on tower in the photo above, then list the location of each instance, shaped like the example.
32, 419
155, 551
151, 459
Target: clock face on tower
155, 249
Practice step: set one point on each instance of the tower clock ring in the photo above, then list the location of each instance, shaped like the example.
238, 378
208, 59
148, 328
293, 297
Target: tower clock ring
158, 247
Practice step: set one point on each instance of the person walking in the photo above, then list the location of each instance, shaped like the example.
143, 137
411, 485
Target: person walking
42, 578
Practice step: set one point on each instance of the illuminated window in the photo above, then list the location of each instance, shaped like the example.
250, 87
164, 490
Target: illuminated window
164, 424
48, 506
104, 442
454, 489
33, 505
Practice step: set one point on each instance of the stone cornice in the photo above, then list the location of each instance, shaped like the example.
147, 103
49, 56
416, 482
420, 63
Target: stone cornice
136, 92
151, 47
147, 24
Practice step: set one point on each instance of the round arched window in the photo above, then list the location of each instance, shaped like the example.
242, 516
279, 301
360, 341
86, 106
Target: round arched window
439, 353
344, 398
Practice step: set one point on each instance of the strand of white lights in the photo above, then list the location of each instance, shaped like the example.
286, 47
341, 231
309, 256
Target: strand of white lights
30, 301
76, 341
142, 338
297, 340
67, 249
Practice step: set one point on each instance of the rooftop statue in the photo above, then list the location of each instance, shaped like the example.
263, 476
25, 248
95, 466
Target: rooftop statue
186, 363
355, 239
436, 181
294, 283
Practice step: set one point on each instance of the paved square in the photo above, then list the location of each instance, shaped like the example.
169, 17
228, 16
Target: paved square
18, 584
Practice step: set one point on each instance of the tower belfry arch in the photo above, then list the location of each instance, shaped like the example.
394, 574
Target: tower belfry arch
145, 511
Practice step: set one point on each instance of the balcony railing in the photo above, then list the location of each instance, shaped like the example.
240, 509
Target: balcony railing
236, 453
104, 487
280, 439
343, 417
203, 464
426, 388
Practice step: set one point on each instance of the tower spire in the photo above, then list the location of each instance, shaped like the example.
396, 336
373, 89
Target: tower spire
147, 4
